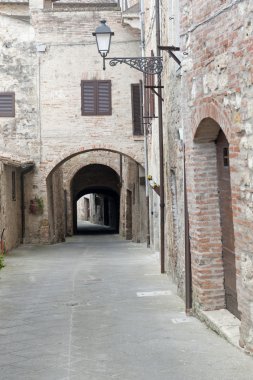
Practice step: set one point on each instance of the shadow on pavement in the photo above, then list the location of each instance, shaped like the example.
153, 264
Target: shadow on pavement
87, 228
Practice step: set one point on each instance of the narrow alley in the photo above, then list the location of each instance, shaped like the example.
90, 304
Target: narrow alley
96, 308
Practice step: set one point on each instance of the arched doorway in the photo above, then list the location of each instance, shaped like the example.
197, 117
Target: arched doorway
211, 219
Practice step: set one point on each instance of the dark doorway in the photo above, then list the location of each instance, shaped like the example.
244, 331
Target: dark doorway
227, 228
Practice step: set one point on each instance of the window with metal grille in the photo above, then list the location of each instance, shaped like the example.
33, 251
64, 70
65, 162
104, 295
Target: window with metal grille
225, 157
7, 104
96, 97
137, 109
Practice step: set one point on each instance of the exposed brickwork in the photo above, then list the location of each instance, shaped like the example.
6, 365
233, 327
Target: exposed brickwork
45, 62
217, 77
130, 180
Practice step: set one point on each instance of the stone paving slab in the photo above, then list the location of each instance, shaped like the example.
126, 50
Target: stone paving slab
96, 308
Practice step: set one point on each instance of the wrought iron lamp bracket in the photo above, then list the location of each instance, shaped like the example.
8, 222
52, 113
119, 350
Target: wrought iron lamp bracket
147, 65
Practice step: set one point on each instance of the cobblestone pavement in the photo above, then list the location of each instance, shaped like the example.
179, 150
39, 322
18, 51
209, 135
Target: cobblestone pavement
96, 308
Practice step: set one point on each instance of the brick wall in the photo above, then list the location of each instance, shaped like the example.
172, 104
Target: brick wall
130, 181
217, 87
44, 63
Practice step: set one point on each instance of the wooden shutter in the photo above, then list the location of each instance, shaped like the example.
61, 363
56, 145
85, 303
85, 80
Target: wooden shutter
151, 94
7, 104
89, 95
104, 97
96, 97
136, 109
151, 97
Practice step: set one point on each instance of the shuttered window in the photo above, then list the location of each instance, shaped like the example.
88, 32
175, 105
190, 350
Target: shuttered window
151, 97
96, 97
137, 109
7, 104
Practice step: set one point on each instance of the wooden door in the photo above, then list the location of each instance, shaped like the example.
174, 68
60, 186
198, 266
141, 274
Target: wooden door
227, 228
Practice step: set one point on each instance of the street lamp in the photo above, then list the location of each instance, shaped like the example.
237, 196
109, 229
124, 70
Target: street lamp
103, 36
147, 65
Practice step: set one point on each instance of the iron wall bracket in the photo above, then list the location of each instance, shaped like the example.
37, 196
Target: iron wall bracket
170, 50
152, 88
147, 65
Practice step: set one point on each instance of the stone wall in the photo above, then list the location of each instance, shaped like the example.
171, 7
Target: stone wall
45, 54
69, 58
83, 209
173, 146
152, 129
217, 87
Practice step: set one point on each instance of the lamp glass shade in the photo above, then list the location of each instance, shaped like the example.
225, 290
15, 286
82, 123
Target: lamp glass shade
103, 43
103, 36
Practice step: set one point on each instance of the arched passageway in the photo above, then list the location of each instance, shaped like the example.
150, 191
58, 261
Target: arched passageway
102, 184
98, 206
117, 185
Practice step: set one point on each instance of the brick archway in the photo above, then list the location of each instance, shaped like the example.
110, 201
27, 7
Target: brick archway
88, 159
50, 166
213, 110
58, 195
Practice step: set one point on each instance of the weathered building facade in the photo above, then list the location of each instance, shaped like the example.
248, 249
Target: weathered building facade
217, 115
162, 18
207, 112
64, 106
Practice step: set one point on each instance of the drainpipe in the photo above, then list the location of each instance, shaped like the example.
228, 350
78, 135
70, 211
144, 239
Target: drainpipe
144, 112
120, 169
188, 274
146, 177
24, 170
142, 28
160, 130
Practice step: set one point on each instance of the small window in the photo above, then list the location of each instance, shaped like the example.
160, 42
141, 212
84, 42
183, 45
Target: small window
96, 97
225, 157
7, 104
13, 186
137, 109
142, 181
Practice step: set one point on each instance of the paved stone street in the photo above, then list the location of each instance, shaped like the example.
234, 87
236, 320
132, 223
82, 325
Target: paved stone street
96, 308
